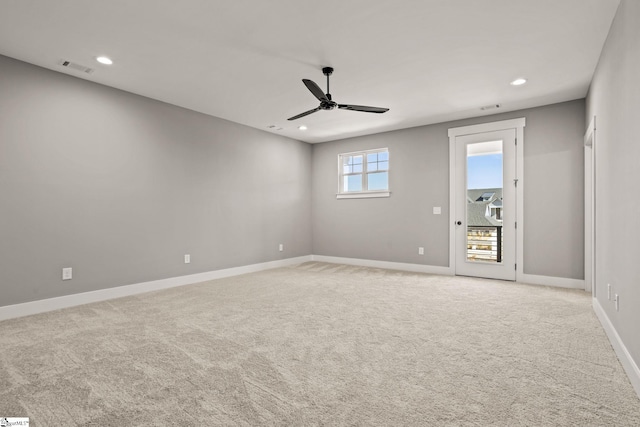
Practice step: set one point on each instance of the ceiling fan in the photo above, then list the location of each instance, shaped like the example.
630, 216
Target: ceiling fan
326, 103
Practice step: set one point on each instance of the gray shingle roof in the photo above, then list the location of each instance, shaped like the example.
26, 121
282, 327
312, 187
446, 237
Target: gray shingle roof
475, 193
476, 210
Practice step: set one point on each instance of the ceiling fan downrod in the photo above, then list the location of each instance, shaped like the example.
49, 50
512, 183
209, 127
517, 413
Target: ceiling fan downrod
327, 71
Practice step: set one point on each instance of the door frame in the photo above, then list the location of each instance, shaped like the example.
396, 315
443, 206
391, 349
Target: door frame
465, 267
517, 124
590, 208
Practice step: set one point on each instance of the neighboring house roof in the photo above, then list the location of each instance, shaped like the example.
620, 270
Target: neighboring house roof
477, 207
476, 193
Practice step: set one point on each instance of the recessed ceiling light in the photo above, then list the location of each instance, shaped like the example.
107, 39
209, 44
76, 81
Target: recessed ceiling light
302, 127
104, 60
518, 82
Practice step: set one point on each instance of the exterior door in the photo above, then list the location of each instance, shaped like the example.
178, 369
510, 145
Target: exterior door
485, 204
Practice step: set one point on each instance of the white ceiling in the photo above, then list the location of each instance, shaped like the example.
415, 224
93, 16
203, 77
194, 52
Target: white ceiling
428, 61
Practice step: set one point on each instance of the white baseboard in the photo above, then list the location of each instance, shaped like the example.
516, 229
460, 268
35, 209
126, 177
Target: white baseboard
50, 304
416, 268
558, 282
41, 306
629, 365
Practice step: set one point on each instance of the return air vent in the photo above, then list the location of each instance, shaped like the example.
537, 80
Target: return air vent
75, 66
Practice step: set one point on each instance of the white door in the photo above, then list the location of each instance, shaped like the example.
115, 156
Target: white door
485, 204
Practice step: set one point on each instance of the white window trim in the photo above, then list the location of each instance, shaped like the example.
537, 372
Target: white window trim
362, 194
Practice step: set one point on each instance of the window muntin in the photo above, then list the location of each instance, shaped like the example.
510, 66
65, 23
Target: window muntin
352, 169
364, 172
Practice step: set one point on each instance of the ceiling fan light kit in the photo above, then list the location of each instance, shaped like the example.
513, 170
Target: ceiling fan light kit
327, 103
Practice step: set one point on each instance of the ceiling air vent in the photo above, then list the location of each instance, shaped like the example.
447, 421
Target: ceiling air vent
74, 66
490, 107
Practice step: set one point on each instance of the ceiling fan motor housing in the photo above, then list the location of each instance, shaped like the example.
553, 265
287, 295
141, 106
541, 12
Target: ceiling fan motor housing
328, 105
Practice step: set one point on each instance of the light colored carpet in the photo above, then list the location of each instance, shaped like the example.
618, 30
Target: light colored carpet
320, 344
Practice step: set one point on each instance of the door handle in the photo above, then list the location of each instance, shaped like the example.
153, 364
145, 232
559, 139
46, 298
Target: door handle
459, 223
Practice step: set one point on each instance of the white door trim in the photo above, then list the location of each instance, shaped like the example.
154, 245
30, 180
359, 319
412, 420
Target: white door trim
517, 124
465, 145
590, 208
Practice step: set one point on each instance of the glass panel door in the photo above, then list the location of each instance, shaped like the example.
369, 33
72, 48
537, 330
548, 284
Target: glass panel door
485, 232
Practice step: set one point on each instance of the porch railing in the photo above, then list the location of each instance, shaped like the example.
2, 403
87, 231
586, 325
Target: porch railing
484, 244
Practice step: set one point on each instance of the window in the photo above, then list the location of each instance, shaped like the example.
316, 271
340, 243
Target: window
485, 197
364, 174
495, 213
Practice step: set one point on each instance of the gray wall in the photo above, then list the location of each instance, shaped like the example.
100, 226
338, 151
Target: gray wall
120, 187
614, 98
391, 229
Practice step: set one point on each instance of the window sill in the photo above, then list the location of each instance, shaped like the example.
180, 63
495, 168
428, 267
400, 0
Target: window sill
363, 195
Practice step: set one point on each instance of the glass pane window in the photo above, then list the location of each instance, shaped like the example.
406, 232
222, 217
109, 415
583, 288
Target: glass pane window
485, 233
352, 164
372, 162
377, 181
365, 171
377, 161
353, 183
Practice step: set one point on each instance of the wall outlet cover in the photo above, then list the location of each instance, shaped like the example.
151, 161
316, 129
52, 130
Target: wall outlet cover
67, 273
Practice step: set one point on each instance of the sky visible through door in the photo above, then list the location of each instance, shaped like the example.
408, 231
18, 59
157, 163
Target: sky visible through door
484, 171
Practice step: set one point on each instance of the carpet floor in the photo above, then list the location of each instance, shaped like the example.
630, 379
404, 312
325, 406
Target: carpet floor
319, 344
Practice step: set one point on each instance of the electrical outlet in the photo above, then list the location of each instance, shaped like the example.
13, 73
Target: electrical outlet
281, 247
187, 259
617, 300
420, 250
609, 291
67, 273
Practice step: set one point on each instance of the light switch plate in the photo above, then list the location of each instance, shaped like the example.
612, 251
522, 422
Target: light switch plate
437, 210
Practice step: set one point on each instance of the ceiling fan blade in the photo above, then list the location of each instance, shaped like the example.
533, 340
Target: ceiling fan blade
315, 90
306, 113
362, 108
